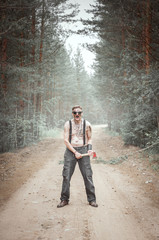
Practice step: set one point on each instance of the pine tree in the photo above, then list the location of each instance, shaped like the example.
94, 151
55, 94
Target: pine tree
30, 40
125, 65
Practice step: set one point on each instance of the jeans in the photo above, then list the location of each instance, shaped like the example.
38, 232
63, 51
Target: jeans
86, 171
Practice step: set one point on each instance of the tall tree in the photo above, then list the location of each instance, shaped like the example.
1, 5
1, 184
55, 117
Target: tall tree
125, 63
31, 37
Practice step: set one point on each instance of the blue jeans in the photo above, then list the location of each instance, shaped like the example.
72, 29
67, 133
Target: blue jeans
86, 171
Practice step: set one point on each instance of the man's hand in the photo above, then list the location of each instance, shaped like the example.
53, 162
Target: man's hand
78, 155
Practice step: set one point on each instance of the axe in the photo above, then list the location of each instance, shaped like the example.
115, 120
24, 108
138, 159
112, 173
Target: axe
93, 153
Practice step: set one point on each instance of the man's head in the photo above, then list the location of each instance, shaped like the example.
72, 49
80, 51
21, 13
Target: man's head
77, 113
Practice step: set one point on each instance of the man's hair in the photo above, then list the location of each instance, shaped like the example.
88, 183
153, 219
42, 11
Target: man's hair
76, 106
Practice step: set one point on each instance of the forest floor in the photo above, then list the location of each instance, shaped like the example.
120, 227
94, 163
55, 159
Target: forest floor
127, 193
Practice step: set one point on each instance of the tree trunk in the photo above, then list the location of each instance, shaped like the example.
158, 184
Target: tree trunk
20, 95
4, 63
32, 114
39, 95
147, 36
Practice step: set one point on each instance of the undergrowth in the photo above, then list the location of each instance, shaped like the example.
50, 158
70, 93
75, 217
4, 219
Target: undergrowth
112, 161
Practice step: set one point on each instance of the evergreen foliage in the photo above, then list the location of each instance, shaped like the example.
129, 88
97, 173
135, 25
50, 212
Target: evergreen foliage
126, 68
31, 45
39, 80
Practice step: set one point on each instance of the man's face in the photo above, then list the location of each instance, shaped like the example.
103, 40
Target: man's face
77, 114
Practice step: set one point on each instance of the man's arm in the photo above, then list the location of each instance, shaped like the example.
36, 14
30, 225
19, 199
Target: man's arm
89, 137
89, 133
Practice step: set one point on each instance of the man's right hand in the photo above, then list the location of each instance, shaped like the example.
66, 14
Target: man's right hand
78, 155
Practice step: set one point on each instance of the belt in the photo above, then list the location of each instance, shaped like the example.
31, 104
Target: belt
82, 147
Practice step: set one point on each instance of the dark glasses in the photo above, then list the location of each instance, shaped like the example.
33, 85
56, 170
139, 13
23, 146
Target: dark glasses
79, 113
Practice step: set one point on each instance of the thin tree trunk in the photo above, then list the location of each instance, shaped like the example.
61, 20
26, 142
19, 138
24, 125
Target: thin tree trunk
39, 96
123, 45
20, 95
140, 9
4, 63
16, 144
147, 36
33, 84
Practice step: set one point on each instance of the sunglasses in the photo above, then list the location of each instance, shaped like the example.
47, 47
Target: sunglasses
79, 113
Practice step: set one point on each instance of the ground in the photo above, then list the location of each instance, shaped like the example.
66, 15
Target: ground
127, 190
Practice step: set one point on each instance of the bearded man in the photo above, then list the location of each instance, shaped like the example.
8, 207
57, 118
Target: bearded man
78, 141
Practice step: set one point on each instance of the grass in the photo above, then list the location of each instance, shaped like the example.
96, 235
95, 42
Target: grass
61, 162
53, 133
100, 160
113, 161
118, 160
155, 167
154, 161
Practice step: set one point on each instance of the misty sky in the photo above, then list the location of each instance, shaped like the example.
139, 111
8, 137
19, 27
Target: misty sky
76, 40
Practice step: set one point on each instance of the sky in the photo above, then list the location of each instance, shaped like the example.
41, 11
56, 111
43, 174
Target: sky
76, 40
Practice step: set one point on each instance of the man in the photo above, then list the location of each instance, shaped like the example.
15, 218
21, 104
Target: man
77, 138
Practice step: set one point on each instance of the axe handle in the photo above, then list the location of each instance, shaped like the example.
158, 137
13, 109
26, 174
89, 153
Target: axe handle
85, 154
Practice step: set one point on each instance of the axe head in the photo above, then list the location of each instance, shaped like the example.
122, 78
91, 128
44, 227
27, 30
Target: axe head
94, 155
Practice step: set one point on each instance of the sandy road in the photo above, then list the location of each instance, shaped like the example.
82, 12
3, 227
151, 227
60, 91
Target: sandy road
124, 213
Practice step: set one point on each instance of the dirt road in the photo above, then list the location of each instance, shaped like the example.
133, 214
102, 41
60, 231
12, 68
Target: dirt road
128, 205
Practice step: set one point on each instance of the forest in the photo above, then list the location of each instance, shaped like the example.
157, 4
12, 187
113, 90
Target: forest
40, 82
